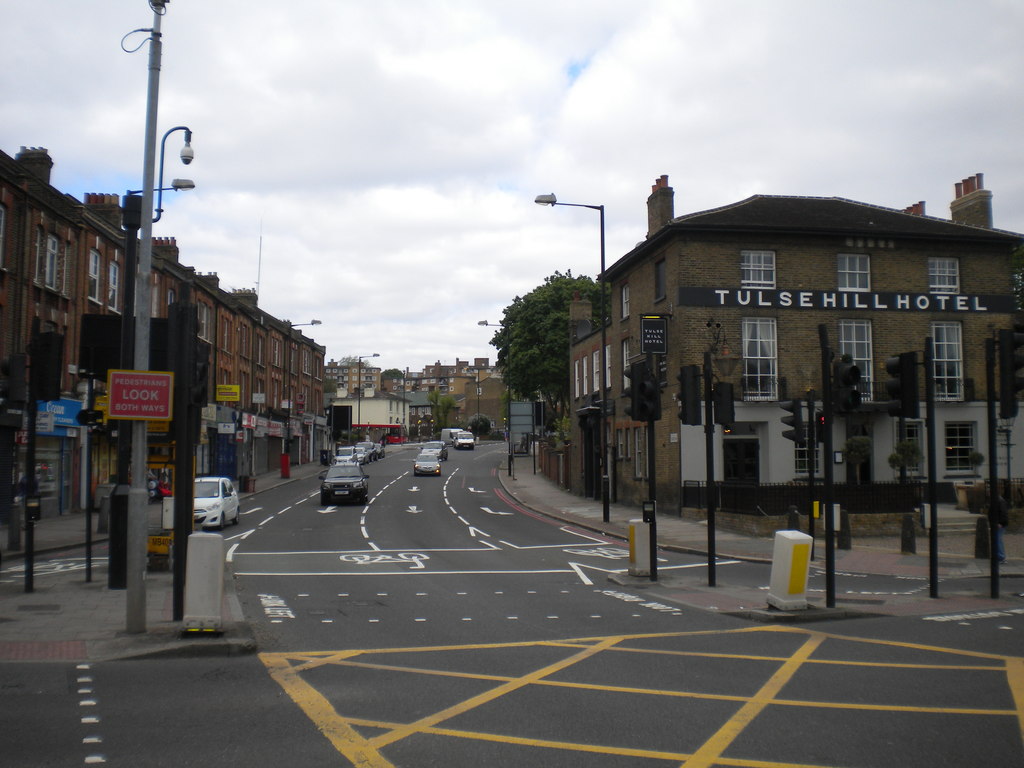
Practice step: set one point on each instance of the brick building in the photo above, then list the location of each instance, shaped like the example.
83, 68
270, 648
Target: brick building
748, 285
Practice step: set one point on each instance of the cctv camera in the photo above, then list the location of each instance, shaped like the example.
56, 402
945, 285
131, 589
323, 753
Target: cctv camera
187, 154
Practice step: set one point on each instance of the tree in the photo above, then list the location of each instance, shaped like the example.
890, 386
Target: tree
441, 406
392, 373
533, 341
480, 425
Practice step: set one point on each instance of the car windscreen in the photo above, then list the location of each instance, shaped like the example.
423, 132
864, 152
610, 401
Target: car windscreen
207, 489
347, 471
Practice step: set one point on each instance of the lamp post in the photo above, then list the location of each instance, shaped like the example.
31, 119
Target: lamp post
286, 454
359, 387
508, 416
551, 200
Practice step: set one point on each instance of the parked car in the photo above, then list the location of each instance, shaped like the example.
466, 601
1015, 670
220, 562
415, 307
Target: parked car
215, 502
439, 446
344, 482
372, 449
346, 454
465, 441
361, 455
427, 463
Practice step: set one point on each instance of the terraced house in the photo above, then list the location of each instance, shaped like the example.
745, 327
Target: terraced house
747, 286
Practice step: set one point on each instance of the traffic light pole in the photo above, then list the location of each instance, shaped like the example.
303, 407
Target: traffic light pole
993, 469
827, 409
709, 458
933, 470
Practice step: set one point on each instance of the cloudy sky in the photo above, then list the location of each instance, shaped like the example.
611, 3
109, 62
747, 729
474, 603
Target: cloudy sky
373, 164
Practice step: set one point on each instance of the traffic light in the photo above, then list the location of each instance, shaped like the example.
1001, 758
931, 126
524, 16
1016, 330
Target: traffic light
689, 394
199, 391
13, 387
721, 400
819, 427
45, 371
90, 417
902, 385
797, 431
644, 394
845, 377
1010, 370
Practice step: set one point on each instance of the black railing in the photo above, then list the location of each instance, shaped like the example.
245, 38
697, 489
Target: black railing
771, 499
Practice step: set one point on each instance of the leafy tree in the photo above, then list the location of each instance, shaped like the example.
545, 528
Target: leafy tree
441, 406
533, 341
480, 425
392, 373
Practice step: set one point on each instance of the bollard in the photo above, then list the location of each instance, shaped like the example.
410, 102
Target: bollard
908, 535
639, 548
204, 583
791, 560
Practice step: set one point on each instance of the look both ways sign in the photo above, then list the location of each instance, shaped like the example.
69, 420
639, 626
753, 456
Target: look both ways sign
142, 395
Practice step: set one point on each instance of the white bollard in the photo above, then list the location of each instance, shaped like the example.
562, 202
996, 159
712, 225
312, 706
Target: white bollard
639, 548
204, 583
791, 561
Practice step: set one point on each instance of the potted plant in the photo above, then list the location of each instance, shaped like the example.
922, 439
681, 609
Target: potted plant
857, 450
907, 454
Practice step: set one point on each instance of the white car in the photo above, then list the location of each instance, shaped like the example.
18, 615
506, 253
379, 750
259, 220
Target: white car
215, 502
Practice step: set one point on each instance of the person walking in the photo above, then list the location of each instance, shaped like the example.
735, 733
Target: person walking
1002, 520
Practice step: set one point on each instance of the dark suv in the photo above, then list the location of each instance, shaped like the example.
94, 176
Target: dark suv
344, 482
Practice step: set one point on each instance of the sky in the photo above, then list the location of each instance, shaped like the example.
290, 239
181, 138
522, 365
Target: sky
373, 165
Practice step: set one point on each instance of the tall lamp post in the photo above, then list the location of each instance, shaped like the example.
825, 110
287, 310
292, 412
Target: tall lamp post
137, 494
359, 387
508, 415
551, 200
286, 454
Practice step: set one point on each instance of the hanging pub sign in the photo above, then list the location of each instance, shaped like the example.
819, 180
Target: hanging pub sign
653, 334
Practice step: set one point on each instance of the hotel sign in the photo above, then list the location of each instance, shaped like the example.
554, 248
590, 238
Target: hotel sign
882, 301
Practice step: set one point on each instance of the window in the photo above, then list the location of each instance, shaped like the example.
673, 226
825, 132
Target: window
595, 366
624, 300
113, 285
947, 353
50, 264
914, 434
759, 359
3, 234
659, 280
802, 459
757, 269
639, 444
585, 374
943, 275
854, 272
275, 353
623, 443
225, 336
855, 341
94, 275
959, 446
203, 326
625, 363
607, 366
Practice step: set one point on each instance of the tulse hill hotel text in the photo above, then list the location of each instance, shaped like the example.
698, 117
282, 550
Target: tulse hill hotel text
749, 286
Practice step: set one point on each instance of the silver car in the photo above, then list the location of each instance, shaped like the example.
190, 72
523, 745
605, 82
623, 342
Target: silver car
215, 502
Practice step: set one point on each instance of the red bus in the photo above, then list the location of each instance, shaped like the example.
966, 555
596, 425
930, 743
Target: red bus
395, 434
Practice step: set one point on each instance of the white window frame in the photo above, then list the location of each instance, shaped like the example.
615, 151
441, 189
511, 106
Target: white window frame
576, 378
948, 360
203, 321
855, 341
960, 440
757, 269
760, 358
853, 272
94, 280
624, 300
51, 261
585, 377
943, 274
114, 286
624, 346
595, 367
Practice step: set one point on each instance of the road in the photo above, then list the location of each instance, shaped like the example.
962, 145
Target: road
441, 624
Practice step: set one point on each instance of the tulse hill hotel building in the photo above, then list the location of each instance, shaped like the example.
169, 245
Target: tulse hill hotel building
750, 285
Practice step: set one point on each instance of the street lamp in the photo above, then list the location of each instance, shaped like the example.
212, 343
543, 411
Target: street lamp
508, 417
286, 454
359, 387
551, 200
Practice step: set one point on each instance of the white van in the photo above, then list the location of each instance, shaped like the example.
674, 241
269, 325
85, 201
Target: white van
465, 440
448, 435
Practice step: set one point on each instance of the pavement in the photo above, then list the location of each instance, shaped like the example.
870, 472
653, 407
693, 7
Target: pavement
66, 617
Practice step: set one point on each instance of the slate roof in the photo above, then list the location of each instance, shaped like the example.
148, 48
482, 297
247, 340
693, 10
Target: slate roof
831, 214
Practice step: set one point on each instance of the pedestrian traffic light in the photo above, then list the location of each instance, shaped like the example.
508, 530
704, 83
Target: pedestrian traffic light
635, 375
819, 427
902, 385
689, 394
845, 377
797, 432
722, 404
1011, 363
89, 417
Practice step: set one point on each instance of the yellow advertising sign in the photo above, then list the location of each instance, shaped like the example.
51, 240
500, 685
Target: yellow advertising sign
229, 393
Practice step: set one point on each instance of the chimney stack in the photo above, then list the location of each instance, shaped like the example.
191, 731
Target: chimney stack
660, 206
37, 161
973, 203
